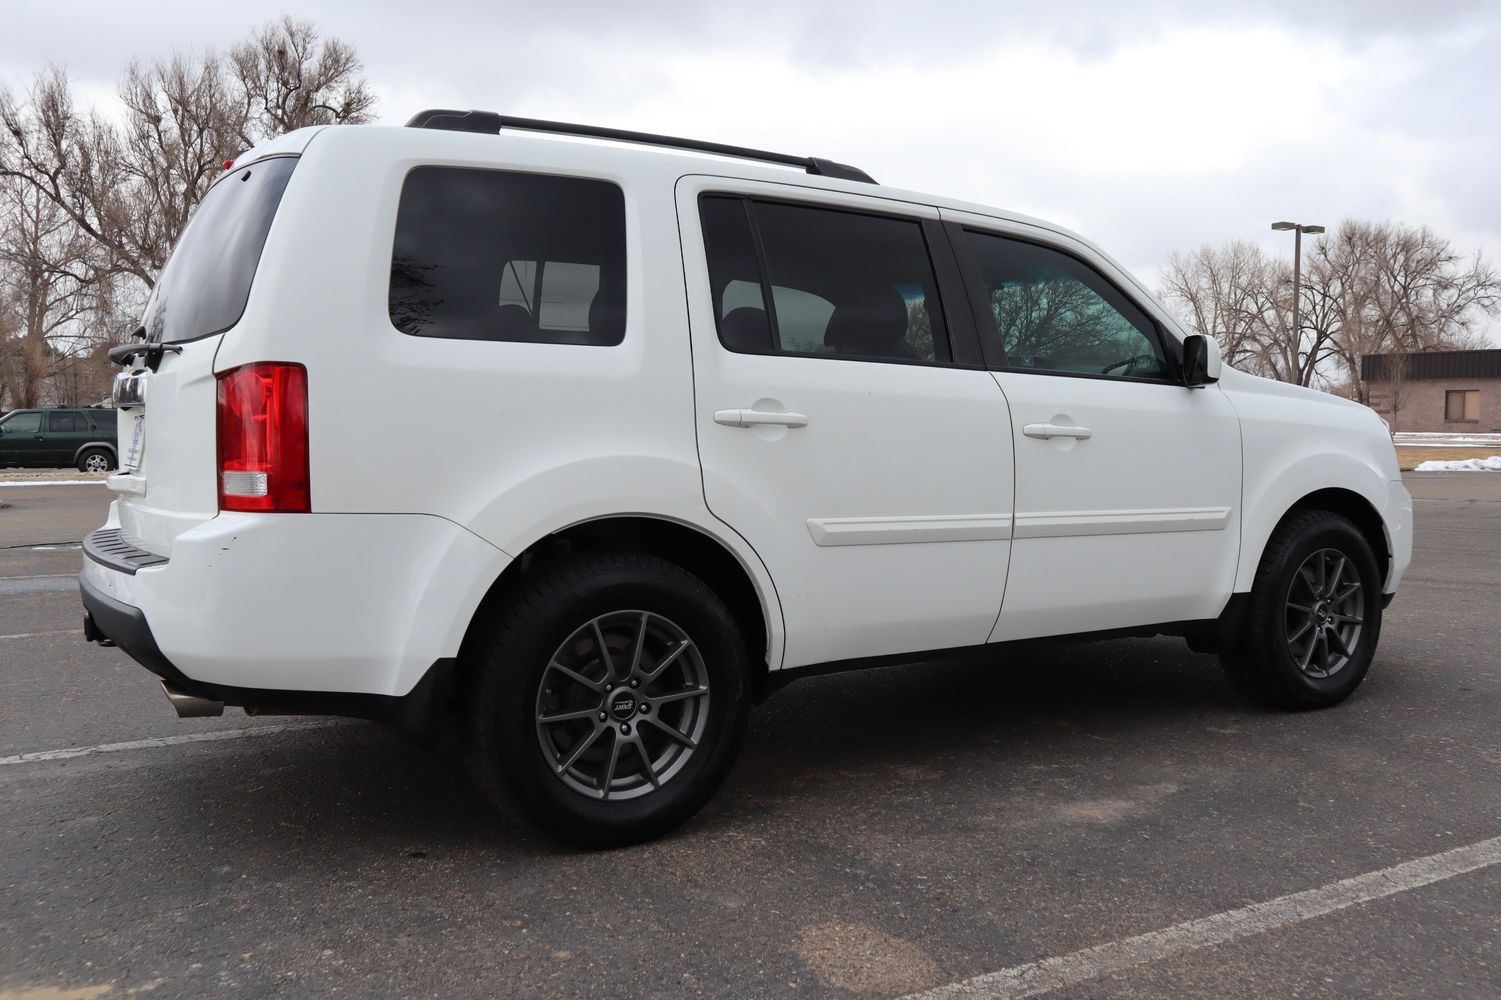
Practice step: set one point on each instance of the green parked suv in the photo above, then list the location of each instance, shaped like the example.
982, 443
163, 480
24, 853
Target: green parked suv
82, 437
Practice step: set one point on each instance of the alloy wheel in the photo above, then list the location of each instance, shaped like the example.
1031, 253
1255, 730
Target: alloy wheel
1325, 613
623, 705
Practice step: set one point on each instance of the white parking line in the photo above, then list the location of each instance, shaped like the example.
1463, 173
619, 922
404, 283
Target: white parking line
53, 482
42, 635
39, 756
1048, 974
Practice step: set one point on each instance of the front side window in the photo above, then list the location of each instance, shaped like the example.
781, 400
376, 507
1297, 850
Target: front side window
66, 422
1056, 314
22, 423
841, 284
503, 256
1462, 405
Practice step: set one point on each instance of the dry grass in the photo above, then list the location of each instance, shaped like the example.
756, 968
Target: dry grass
1408, 458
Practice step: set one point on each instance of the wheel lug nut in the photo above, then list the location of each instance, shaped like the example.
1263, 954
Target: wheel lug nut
603, 716
609, 687
635, 683
625, 727
645, 708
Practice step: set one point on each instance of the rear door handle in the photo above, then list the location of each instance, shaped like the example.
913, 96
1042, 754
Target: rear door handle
1047, 431
754, 418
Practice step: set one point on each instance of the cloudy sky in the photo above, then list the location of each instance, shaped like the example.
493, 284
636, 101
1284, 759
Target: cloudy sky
1149, 126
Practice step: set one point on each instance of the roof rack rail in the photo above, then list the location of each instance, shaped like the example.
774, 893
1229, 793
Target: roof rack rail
491, 123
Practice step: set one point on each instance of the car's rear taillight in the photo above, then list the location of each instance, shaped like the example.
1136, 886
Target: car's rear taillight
263, 443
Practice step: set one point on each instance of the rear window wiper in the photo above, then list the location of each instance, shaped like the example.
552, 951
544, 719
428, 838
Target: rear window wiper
151, 353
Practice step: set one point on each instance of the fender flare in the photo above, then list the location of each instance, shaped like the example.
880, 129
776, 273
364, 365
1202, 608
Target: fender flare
112, 449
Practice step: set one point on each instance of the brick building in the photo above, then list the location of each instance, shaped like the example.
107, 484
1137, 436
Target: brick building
1457, 391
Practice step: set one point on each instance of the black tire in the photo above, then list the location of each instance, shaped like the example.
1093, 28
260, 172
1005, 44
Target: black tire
96, 454
507, 744
1265, 661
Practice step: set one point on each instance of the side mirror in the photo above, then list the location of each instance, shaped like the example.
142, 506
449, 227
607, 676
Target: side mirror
1201, 360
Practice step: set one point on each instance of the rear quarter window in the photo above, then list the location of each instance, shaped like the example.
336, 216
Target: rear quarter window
504, 256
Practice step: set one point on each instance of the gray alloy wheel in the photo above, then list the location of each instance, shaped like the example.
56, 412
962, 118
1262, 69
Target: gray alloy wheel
1324, 613
95, 461
623, 705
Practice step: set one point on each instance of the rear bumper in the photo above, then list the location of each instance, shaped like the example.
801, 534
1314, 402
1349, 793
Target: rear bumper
310, 604
121, 625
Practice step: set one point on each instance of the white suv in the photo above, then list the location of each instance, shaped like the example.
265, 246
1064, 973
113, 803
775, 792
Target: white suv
588, 440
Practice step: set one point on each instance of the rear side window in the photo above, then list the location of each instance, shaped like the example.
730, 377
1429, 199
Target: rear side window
206, 283
497, 255
841, 284
66, 422
105, 420
1057, 314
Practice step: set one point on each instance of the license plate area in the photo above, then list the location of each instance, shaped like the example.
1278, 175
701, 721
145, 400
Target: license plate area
131, 460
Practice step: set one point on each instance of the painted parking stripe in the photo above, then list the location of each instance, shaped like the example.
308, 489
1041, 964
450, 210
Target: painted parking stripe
41, 756
42, 635
1049, 974
15, 586
53, 482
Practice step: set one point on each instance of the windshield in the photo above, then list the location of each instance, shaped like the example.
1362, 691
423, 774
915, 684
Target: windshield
204, 287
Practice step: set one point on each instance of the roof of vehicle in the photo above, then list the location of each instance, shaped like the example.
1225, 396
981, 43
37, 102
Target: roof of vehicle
624, 155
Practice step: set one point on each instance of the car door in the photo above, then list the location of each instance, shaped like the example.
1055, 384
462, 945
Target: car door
840, 397
67, 431
23, 441
1127, 482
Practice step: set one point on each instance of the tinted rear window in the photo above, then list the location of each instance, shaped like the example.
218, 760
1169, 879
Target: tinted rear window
843, 284
204, 287
106, 420
497, 255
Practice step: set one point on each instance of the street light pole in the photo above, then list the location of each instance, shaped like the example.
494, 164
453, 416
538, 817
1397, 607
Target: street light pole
1298, 231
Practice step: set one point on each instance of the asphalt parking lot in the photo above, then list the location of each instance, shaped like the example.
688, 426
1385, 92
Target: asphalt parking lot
884, 833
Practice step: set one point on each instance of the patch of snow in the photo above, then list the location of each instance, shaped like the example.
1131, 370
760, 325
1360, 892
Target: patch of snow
1492, 464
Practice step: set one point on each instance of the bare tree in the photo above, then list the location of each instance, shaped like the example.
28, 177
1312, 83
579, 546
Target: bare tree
1400, 289
116, 193
1368, 288
49, 276
1215, 290
290, 81
132, 186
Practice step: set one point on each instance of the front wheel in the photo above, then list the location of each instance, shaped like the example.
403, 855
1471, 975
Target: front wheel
1314, 615
609, 696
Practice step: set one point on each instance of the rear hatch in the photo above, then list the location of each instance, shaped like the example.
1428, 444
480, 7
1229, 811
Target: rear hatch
167, 481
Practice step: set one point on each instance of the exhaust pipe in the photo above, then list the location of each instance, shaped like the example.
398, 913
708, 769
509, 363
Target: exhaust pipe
190, 706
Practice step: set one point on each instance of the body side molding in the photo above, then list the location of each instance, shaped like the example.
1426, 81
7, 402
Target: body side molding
827, 531
1061, 524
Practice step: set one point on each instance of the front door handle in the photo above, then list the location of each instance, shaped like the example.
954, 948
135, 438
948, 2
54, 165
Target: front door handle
755, 418
1048, 431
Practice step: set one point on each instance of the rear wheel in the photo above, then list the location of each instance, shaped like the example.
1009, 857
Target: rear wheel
609, 697
1314, 616
96, 460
